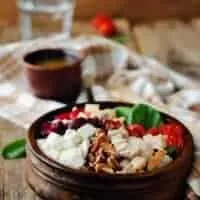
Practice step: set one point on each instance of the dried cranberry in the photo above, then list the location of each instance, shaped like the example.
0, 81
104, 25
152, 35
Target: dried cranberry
95, 121
54, 126
46, 129
59, 127
77, 123
75, 112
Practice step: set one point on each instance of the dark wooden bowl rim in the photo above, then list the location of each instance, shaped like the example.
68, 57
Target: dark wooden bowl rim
32, 145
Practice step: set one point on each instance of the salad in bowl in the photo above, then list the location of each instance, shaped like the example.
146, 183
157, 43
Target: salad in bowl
123, 139
108, 150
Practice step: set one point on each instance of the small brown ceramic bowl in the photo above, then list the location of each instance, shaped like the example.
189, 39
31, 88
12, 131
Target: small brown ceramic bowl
60, 83
53, 181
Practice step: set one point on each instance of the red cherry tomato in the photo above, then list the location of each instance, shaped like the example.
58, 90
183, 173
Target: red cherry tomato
153, 131
99, 20
174, 133
47, 128
107, 29
136, 130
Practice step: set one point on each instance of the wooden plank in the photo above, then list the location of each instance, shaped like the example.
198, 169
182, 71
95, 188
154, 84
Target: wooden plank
152, 39
135, 10
145, 10
12, 182
173, 42
164, 38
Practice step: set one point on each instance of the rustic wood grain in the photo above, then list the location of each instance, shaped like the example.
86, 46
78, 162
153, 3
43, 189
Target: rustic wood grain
12, 182
162, 38
143, 10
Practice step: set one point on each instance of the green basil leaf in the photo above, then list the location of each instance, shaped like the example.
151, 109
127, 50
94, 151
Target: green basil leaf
145, 115
123, 111
15, 149
138, 115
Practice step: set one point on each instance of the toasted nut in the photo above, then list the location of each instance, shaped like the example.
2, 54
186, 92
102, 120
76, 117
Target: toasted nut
155, 160
101, 138
100, 158
113, 163
102, 167
91, 157
108, 148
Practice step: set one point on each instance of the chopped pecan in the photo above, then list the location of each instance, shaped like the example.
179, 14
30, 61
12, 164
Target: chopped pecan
101, 138
108, 148
102, 167
155, 160
113, 163
100, 158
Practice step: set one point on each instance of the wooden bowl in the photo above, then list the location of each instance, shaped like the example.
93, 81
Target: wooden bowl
59, 83
53, 181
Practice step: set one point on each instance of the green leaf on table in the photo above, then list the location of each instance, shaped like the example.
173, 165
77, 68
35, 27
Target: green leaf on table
121, 38
15, 149
140, 114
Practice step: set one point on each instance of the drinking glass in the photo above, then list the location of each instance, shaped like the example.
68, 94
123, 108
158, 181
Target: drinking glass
45, 17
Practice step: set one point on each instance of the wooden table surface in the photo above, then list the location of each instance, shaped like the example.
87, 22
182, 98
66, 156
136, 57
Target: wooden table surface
152, 39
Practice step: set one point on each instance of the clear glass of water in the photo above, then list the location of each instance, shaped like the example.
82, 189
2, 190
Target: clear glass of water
45, 17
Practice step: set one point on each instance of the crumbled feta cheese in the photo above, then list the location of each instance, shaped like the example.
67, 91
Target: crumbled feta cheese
134, 146
121, 146
41, 143
127, 147
120, 132
124, 163
54, 154
119, 141
146, 149
72, 138
107, 113
86, 131
156, 142
92, 108
165, 161
72, 158
138, 163
53, 141
85, 147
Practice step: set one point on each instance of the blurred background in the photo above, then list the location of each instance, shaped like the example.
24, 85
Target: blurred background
166, 29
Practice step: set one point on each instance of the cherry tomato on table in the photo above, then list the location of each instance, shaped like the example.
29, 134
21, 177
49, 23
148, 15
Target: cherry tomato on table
100, 19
